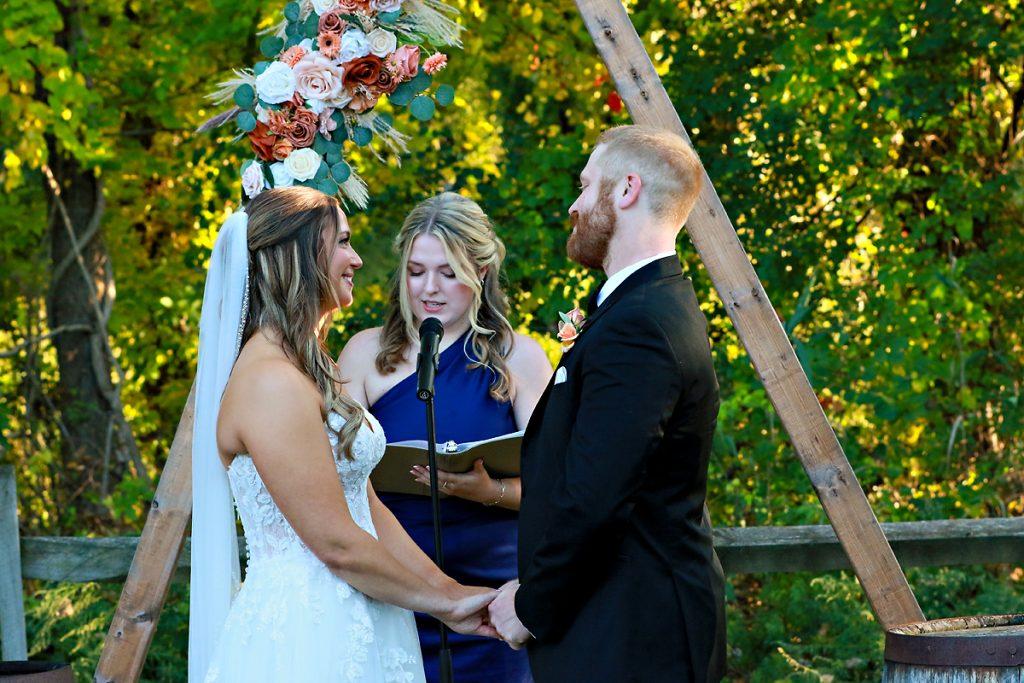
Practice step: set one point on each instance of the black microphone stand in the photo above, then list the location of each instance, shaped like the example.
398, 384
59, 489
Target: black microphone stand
426, 394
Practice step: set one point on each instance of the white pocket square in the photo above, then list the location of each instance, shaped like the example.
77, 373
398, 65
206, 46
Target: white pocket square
560, 375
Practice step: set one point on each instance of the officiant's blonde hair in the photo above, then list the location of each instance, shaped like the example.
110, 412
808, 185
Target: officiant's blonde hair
289, 283
471, 246
669, 168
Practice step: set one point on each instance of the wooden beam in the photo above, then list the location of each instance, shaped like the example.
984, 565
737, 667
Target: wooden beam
743, 550
12, 597
154, 562
760, 330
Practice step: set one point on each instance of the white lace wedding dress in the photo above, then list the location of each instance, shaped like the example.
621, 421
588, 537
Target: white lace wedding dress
295, 621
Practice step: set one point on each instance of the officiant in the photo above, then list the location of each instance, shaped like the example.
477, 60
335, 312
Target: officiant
488, 382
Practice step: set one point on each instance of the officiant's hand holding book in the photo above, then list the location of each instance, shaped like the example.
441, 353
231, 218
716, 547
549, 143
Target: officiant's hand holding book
404, 464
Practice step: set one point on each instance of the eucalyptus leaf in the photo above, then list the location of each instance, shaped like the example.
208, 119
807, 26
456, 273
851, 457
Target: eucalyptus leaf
312, 26
341, 171
322, 171
328, 186
421, 81
361, 135
260, 67
245, 96
402, 95
271, 46
422, 108
291, 11
445, 95
246, 121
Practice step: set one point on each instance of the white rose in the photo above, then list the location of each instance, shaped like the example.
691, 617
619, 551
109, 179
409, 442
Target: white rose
386, 6
282, 178
253, 181
276, 84
302, 164
307, 44
382, 42
353, 46
324, 6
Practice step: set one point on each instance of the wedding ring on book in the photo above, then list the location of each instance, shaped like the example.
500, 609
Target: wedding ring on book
451, 447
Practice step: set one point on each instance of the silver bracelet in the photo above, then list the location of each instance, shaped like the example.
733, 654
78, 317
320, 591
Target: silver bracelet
500, 495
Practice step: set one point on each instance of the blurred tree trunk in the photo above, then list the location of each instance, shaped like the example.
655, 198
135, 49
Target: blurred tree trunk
97, 442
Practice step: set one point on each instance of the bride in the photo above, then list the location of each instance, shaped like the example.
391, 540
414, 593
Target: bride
332, 580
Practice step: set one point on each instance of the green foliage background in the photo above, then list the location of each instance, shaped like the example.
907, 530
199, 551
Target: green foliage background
869, 154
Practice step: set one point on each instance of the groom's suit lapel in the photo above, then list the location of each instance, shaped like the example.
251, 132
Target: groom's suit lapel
656, 270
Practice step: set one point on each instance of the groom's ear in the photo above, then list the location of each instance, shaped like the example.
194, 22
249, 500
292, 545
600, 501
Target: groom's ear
629, 191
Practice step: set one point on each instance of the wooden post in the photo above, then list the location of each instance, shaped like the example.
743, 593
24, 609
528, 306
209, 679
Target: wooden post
12, 600
760, 331
149, 579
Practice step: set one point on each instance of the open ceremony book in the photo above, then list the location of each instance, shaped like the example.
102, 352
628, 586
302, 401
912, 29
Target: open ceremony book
500, 455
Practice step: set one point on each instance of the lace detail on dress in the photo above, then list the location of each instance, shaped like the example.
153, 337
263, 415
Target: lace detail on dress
267, 532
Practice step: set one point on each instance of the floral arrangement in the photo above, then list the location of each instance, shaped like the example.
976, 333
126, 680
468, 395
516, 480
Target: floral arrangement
328, 65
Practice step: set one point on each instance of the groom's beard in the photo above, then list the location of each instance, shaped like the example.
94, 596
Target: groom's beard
588, 244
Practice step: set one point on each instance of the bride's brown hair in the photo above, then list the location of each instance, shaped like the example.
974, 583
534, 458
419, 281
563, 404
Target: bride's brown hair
289, 285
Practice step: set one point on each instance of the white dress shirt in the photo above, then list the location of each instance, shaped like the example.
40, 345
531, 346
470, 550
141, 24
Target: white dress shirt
620, 277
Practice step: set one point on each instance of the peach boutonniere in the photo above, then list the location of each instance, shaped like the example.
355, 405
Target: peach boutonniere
569, 327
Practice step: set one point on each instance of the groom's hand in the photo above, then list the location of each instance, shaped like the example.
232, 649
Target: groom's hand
503, 616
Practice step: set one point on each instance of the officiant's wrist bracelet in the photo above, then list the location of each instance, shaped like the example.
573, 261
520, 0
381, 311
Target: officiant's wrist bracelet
501, 482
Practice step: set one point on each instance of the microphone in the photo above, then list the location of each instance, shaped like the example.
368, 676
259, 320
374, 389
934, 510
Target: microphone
431, 331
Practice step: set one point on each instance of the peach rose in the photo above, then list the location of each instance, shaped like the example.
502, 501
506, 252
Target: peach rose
282, 148
317, 78
567, 334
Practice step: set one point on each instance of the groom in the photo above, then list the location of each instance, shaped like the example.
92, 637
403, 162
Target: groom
617, 577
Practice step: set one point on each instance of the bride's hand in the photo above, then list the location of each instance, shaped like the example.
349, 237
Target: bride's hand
467, 611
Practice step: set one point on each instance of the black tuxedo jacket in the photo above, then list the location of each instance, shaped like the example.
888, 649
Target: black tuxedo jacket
619, 581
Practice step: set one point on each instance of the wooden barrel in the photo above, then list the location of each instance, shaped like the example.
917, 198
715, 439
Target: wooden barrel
35, 672
958, 650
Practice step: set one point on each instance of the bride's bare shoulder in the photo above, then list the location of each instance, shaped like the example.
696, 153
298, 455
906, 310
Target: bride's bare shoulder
261, 387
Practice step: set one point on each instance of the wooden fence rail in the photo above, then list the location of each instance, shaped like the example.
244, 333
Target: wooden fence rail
742, 550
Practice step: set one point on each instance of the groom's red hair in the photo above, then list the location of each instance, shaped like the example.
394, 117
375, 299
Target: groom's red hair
667, 165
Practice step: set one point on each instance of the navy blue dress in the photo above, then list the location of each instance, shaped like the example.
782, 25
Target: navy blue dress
479, 542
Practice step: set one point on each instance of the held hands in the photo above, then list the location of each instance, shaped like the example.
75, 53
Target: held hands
467, 611
503, 617
475, 485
